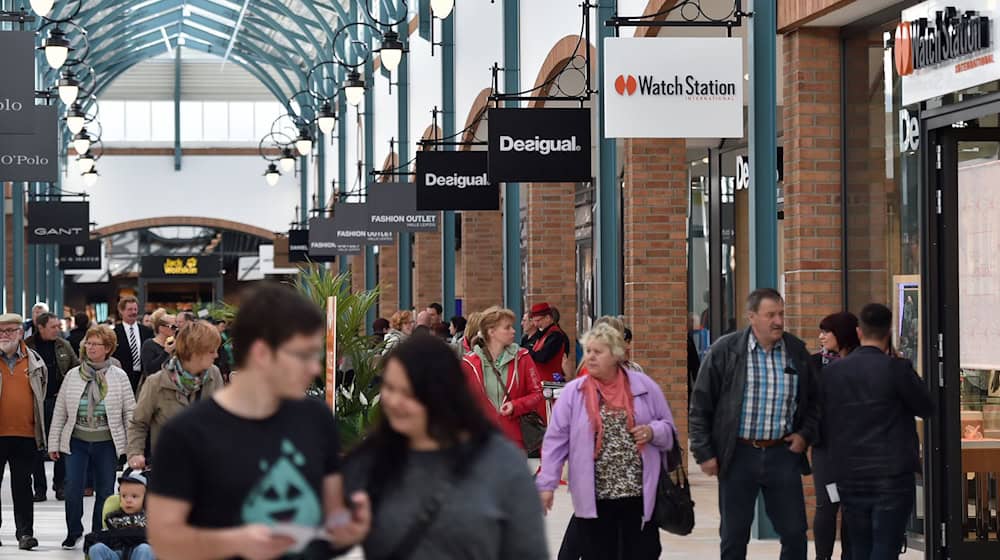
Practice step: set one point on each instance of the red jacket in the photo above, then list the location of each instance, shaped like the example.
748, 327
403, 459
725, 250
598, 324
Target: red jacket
547, 350
523, 385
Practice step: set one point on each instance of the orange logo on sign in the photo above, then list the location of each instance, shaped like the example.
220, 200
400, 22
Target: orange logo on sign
902, 49
625, 85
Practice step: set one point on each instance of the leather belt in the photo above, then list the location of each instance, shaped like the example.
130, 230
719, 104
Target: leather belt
761, 443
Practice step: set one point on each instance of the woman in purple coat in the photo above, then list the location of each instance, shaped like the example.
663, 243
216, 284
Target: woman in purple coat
613, 427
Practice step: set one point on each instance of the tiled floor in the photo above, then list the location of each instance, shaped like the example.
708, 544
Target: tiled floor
703, 544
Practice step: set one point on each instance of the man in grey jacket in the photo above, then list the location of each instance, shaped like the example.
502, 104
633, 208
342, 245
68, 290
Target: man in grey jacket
753, 414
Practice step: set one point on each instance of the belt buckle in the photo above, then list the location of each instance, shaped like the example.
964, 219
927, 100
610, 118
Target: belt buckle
756, 444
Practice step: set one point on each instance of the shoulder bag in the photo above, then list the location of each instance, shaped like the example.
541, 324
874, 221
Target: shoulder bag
532, 425
674, 509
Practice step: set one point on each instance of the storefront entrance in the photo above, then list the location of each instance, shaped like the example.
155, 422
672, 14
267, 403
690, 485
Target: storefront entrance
962, 284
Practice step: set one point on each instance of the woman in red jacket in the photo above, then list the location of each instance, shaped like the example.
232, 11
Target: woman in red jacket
501, 374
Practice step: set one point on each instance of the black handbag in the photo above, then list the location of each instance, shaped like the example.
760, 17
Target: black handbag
532, 425
674, 509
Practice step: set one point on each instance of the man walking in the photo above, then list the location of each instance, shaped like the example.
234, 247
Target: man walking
36, 310
869, 401
59, 358
753, 414
436, 313
549, 343
131, 334
22, 425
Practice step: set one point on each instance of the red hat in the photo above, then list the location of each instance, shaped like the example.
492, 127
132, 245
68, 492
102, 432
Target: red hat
541, 309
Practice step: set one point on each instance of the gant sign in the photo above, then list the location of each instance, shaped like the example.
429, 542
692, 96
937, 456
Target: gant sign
942, 46
673, 87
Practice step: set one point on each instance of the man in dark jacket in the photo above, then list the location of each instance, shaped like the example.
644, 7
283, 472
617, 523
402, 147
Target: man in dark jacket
59, 358
753, 414
131, 333
869, 403
81, 323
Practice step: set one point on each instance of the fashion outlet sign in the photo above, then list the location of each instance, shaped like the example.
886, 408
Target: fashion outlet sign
943, 46
673, 87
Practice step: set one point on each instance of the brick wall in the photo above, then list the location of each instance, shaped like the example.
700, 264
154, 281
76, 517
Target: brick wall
388, 268
356, 263
427, 268
482, 255
655, 244
812, 224
551, 254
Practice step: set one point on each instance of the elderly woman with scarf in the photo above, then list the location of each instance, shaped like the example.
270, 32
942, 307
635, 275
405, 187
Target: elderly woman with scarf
613, 426
187, 377
501, 375
89, 423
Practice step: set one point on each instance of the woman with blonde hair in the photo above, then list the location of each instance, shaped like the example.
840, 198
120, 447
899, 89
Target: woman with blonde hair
400, 328
471, 331
613, 426
89, 424
501, 375
158, 349
187, 377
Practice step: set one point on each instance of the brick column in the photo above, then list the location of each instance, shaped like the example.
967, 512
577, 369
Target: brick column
551, 254
427, 268
357, 267
812, 136
388, 267
482, 256
655, 244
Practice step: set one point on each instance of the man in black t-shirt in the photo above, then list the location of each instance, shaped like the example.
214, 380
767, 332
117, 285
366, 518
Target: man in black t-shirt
251, 470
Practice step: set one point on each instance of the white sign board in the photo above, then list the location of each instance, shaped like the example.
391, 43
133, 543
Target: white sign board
943, 46
673, 87
266, 253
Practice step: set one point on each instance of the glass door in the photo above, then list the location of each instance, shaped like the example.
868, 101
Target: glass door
967, 302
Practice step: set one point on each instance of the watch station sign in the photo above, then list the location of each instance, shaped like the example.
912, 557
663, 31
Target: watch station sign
943, 46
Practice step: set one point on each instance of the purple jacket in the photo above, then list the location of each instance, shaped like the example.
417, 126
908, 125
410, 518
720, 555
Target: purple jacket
570, 436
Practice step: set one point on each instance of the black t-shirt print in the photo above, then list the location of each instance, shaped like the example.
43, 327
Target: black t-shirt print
236, 471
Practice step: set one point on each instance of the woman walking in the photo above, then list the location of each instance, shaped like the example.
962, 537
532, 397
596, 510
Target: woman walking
613, 427
157, 350
92, 413
187, 377
838, 337
444, 484
501, 374
400, 327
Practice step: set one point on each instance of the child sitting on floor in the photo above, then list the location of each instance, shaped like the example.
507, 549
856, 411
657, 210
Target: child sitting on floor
124, 534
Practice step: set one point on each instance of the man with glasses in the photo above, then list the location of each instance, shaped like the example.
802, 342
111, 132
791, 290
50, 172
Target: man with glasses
59, 358
22, 424
131, 334
248, 471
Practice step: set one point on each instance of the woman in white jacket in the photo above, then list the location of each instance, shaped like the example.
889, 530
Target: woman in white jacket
89, 426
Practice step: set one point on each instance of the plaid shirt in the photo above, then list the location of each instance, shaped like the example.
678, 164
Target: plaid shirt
769, 399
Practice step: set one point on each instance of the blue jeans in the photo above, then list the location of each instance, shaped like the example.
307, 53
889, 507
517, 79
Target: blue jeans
100, 458
777, 472
100, 551
876, 512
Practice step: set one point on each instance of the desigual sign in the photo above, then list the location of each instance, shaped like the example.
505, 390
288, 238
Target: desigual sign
539, 145
60, 223
17, 88
34, 156
651, 92
942, 46
455, 181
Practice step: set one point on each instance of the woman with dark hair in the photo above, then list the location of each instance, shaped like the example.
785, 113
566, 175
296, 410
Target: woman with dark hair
456, 327
838, 337
444, 483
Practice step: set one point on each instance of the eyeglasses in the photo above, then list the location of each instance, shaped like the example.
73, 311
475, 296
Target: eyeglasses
306, 356
89, 344
10, 332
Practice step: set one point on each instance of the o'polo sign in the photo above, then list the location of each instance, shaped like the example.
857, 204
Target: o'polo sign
17, 88
539, 145
455, 181
35, 156
673, 87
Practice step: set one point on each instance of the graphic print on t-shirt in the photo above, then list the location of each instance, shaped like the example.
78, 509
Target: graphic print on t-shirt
283, 495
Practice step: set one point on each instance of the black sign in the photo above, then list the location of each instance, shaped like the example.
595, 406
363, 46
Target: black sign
393, 206
455, 181
539, 145
324, 242
32, 157
17, 88
182, 266
298, 248
354, 222
85, 256
60, 223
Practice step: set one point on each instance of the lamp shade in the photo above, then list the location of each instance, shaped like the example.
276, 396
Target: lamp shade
75, 123
56, 48
42, 7
68, 88
90, 177
304, 143
442, 8
327, 119
287, 161
271, 175
85, 163
391, 51
354, 89
81, 142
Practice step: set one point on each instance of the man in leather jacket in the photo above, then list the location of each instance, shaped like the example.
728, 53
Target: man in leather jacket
753, 414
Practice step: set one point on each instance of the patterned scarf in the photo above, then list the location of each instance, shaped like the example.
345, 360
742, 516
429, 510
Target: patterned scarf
187, 383
616, 395
95, 375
